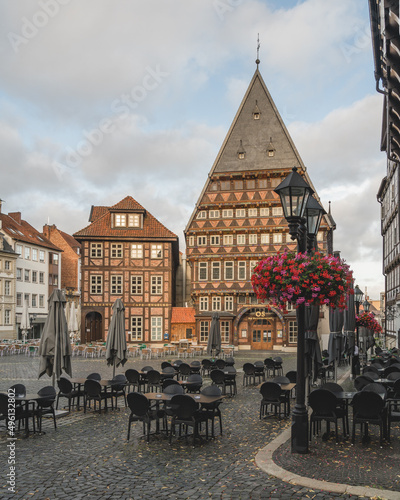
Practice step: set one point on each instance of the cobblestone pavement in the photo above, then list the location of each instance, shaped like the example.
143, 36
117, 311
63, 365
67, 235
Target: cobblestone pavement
88, 456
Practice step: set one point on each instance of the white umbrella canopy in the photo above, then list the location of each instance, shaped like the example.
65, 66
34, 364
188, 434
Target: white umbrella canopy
25, 322
72, 319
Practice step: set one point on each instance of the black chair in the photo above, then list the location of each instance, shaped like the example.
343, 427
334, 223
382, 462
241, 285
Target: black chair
376, 387
220, 364
154, 383
269, 367
212, 409
194, 383
249, 371
186, 413
324, 405
292, 376
166, 364
369, 408
272, 401
206, 365
93, 392
133, 380
285, 396
195, 367
362, 381
169, 381
168, 372
393, 409
118, 386
67, 391
141, 411
20, 415
278, 365
218, 379
370, 368
230, 379
390, 369
173, 389
184, 371
18, 389
94, 376
45, 406
393, 376
259, 372
230, 361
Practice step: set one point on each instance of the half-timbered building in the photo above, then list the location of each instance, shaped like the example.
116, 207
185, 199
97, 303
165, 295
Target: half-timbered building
238, 219
128, 254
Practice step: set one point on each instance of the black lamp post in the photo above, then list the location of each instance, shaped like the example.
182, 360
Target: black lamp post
314, 213
295, 194
366, 305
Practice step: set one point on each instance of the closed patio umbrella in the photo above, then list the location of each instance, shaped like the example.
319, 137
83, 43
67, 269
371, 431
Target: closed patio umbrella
349, 323
214, 337
72, 320
55, 348
116, 340
25, 322
335, 337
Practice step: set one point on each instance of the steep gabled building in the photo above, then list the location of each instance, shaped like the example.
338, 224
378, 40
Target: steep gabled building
127, 253
238, 219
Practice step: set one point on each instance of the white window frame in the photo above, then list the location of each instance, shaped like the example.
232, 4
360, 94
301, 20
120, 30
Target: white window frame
253, 264
7, 316
41, 256
27, 276
253, 239
203, 271
7, 287
201, 241
204, 330
136, 284
228, 303
156, 328
264, 212
229, 270
214, 240
203, 304
116, 284
27, 253
292, 331
136, 328
216, 303
277, 238
96, 284
156, 251
191, 241
242, 265
136, 251
252, 212
202, 214
34, 300
134, 220
116, 250
120, 220
264, 239
228, 239
241, 239
215, 271
277, 212
227, 213
96, 250
214, 214
225, 331
240, 212
34, 254
156, 285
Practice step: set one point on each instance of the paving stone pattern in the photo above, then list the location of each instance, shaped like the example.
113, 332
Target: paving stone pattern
89, 457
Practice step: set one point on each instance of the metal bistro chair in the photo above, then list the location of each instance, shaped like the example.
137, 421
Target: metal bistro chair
324, 407
249, 371
272, 402
45, 406
187, 414
369, 408
67, 391
141, 411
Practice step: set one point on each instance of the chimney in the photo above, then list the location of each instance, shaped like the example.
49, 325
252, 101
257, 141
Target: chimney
1, 203
16, 216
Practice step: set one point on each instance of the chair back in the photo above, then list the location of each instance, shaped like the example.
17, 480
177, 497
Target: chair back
270, 391
153, 377
269, 363
195, 377
231, 370
64, 385
220, 364
217, 376
390, 369
230, 361
206, 363
211, 390
396, 389
281, 380
333, 387
367, 404
20, 389
184, 369
393, 376
177, 362
118, 382
94, 376
376, 387
146, 369
174, 388
138, 403
165, 364
195, 364
49, 393
371, 368
169, 370
4, 405
362, 381
92, 388
322, 402
132, 376
292, 376
183, 406
249, 369
170, 381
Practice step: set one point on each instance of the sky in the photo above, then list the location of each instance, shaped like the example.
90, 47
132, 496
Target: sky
100, 100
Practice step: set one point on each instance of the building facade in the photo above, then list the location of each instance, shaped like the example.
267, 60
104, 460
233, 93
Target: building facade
8, 282
38, 268
386, 43
238, 220
128, 254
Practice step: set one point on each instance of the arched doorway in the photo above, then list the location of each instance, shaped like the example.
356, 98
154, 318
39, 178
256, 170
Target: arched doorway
93, 327
262, 333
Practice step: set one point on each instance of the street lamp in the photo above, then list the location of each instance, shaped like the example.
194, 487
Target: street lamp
294, 193
313, 213
366, 305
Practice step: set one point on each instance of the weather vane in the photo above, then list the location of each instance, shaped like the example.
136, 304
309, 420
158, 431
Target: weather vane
258, 50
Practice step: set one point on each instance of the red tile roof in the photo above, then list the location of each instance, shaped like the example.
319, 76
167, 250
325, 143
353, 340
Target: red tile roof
183, 315
20, 230
101, 226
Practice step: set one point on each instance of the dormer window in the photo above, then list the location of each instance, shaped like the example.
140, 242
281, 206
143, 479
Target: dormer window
256, 112
270, 148
241, 153
127, 220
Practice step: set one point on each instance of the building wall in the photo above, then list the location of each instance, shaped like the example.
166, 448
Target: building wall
8, 327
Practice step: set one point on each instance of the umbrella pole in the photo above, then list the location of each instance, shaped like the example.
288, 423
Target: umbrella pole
114, 368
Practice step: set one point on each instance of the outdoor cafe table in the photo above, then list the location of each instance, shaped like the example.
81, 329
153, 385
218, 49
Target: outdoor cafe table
26, 399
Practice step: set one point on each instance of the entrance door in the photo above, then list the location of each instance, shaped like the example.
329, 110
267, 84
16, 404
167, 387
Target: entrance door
93, 327
261, 335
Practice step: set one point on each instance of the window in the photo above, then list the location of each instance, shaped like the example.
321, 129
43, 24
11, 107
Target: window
264, 212
252, 239
116, 284
96, 250
241, 270
228, 213
7, 265
41, 277
156, 285
55, 258
27, 275
41, 300
19, 274
136, 251
320, 236
228, 303
292, 332
120, 220
191, 241
240, 212
96, 284
18, 249
275, 182
156, 251
264, 239
136, 328
228, 270
34, 300
252, 212
201, 241
19, 299
41, 255
156, 328
50, 279
277, 211
225, 186
116, 250
202, 214
238, 184
204, 326
203, 305
241, 239
7, 317
26, 298
251, 183
277, 238
253, 299
203, 271
215, 270
134, 220
228, 239
216, 303
214, 214
262, 183
27, 253
7, 287
253, 264
214, 240
225, 331
242, 299
136, 285
34, 254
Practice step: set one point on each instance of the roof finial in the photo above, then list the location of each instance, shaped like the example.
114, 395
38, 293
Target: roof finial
258, 50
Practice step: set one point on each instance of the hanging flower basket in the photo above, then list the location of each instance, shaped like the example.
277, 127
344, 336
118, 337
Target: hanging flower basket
368, 321
301, 278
